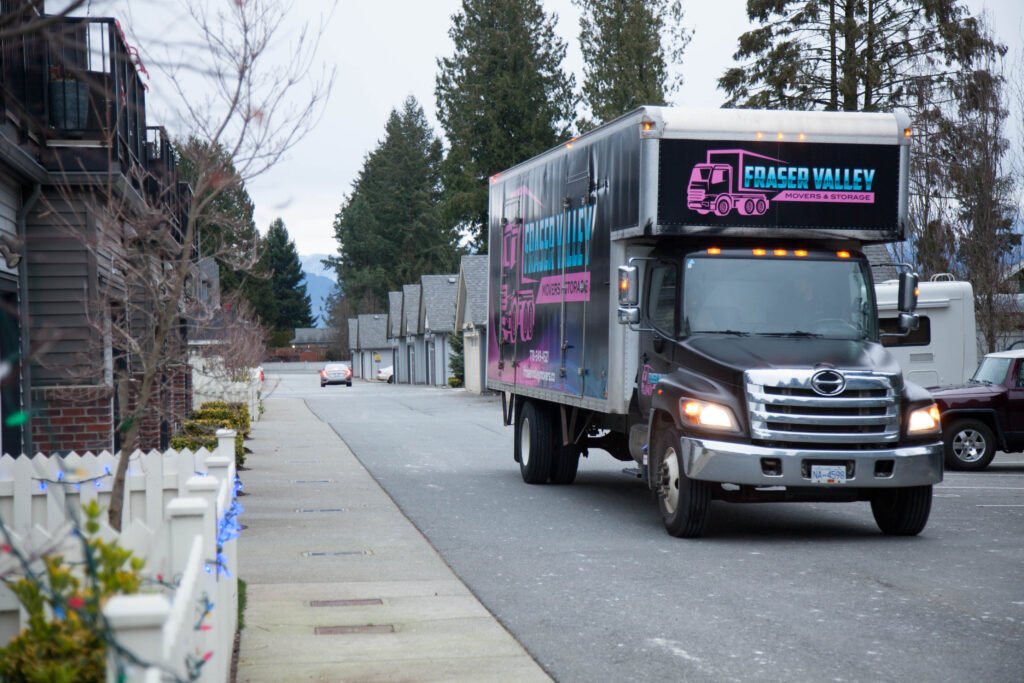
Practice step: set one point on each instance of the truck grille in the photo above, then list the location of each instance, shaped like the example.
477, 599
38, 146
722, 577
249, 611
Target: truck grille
784, 409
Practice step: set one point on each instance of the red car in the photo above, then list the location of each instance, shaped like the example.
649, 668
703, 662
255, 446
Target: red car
986, 414
336, 373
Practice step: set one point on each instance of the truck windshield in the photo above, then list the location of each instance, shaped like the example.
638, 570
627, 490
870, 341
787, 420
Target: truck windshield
991, 371
778, 297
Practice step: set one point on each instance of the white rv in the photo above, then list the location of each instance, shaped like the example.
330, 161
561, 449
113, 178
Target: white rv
943, 350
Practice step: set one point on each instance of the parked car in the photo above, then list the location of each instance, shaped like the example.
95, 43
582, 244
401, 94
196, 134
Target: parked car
386, 374
986, 414
336, 373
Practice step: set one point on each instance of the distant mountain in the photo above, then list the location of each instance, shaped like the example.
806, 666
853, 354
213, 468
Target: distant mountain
319, 288
312, 263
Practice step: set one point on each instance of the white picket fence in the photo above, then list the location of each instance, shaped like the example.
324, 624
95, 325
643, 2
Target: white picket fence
180, 516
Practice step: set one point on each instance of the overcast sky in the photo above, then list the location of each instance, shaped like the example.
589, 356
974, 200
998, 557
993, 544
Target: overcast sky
386, 51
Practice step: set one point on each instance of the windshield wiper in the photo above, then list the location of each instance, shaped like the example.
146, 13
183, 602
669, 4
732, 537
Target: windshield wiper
795, 333
735, 333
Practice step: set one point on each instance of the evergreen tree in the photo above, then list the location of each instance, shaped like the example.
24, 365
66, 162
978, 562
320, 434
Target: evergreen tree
225, 225
625, 56
287, 281
501, 99
457, 361
389, 229
850, 55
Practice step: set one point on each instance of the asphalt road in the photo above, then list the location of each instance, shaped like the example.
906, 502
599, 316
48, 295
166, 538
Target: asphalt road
589, 582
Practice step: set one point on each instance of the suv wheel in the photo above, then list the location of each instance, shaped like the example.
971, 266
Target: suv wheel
969, 444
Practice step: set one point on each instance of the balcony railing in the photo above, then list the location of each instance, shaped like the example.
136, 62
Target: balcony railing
74, 88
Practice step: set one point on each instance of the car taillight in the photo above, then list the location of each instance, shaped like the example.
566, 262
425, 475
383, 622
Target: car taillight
323, 373
348, 372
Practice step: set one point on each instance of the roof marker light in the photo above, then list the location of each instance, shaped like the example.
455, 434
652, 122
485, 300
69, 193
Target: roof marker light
759, 252
843, 254
802, 136
714, 251
780, 136
780, 252
907, 132
759, 135
800, 252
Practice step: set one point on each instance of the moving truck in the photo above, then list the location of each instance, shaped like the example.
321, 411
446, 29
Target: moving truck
732, 354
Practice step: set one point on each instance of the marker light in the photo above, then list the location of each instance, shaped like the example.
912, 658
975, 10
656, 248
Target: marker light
759, 135
907, 132
568, 145
780, 252
843, 254
924, 420
647, 126
706, 414
800, 252
802, 136
714, 251
779, 136
759, 252
494, 178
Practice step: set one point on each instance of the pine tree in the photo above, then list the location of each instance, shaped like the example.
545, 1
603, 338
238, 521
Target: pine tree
501, 99
227, 231
625, 56
457, 361
291, 302
850, 55
389, 229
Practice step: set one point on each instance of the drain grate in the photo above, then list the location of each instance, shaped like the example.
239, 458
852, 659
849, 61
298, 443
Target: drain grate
342, 630
321, 509
335, 553
312, 481
358, 602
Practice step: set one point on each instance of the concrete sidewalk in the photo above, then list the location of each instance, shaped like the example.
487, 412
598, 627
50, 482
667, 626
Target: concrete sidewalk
320, 530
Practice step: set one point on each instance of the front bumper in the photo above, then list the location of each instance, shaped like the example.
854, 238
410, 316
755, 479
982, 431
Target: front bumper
747, 464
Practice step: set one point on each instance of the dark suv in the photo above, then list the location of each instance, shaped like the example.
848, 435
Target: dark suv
986, 414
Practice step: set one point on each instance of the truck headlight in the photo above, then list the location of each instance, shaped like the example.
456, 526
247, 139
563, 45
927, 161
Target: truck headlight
924, 420
707, 414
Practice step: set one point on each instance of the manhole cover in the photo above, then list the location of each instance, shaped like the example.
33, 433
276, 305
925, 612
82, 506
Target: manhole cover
346, 603
335, 553
342, 630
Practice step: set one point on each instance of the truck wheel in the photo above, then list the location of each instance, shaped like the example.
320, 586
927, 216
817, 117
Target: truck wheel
564, 464
969, 445
722, 206
683, 502
902, 512
535, 439
761, 207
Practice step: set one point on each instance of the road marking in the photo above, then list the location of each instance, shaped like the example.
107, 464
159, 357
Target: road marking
1000, 506
986, 488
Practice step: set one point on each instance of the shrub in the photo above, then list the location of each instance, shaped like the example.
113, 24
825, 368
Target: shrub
454, 382
202, 433
64, 639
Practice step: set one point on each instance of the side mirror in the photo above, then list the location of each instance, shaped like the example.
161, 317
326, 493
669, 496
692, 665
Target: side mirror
629, 294
907, 298
629, 316
908, 322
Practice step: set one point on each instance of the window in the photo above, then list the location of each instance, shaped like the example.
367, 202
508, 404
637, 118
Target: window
661, 303
922, 336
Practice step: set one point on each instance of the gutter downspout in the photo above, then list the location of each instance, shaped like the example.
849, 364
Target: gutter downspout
23, 314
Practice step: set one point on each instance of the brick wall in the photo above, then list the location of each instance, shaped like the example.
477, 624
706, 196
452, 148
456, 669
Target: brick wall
72, 418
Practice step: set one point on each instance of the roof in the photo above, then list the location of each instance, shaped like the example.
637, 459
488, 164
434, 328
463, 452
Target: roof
411, 308
471, 301
394, 314
1013, 353
353, 334
314, 335
438, 308
882, 266
373, 331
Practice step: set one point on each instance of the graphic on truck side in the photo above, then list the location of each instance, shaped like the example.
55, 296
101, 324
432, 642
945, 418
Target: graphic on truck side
542, 262
746, 182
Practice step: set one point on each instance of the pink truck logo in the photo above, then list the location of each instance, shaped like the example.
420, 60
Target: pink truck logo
717, 185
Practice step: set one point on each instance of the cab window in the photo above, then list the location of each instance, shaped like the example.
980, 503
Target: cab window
662, 303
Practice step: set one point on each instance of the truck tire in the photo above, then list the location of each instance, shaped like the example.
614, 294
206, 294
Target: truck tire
902, 512
722, 206
969, 445
683, 502
534, 443
564, 464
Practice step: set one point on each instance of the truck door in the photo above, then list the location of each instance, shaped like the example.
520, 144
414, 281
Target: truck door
1015, 403
577, 208
660, 328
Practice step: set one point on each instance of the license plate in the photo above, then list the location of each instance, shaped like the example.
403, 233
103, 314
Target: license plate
828, 474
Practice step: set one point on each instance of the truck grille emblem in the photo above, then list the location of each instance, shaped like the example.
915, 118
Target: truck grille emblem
828, 382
